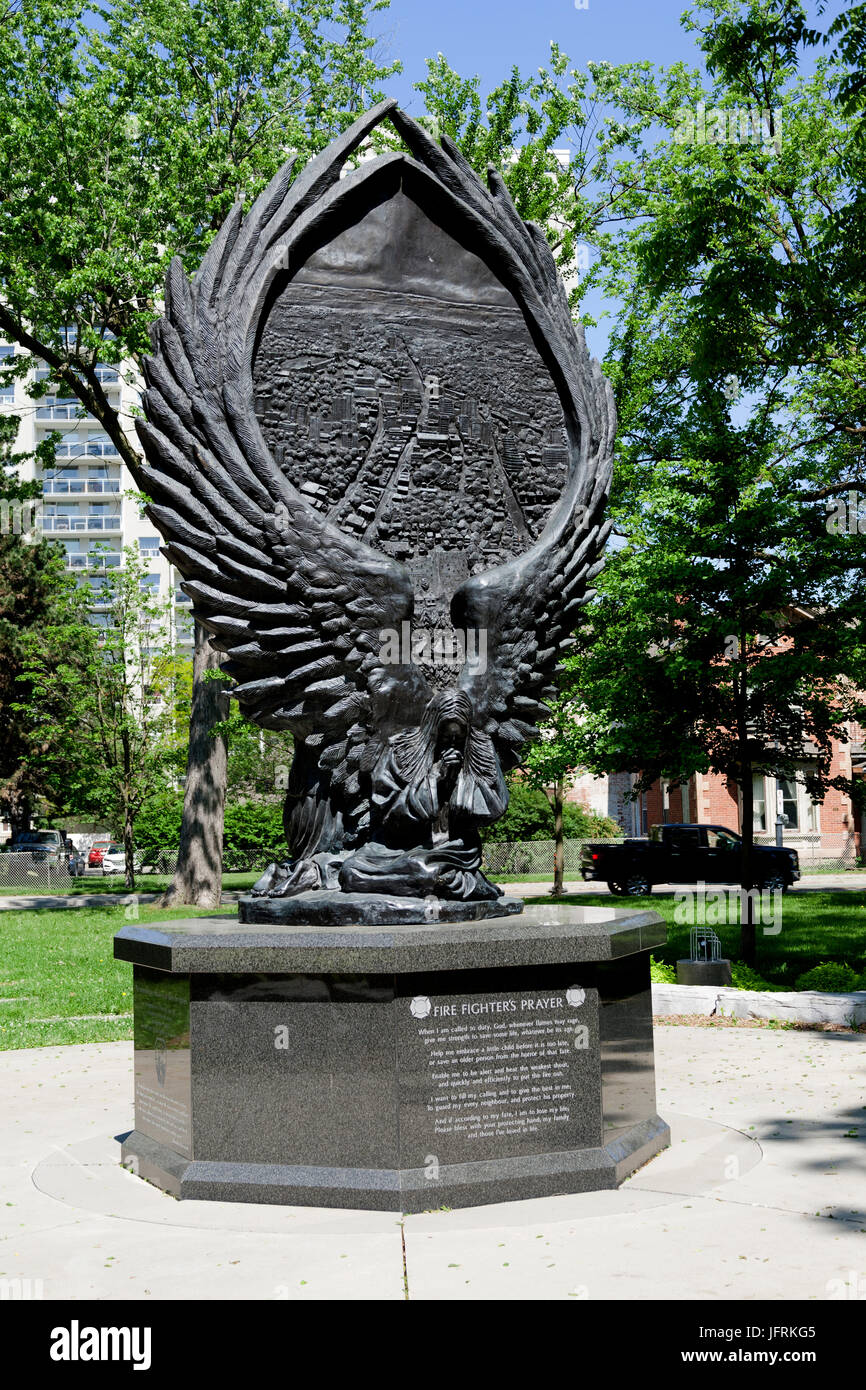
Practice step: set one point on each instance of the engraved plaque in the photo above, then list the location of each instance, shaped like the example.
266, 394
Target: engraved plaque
484, 1075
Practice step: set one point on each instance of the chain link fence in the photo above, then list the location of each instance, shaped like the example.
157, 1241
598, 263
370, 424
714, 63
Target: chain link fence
830, 853
232, 863
34, 871
531, 856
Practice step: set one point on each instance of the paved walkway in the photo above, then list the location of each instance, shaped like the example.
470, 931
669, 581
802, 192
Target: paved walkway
762, 1195
853, 881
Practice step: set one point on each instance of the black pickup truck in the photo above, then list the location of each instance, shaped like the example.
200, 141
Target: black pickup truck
684, 854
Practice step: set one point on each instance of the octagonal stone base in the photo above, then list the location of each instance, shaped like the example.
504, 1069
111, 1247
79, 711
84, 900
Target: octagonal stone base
397, 1068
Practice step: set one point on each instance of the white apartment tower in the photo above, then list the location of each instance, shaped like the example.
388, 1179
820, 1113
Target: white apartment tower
88, 502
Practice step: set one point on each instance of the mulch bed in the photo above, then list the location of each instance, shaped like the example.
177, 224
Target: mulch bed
711, 1021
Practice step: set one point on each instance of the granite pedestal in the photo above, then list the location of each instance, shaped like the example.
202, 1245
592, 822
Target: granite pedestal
398, 1068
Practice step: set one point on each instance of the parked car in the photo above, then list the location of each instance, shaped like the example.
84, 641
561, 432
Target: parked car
97, 850
684, 854
44, 846
75, 860
114, 860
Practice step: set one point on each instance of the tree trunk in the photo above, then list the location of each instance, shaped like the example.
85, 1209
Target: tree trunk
558, 844
18, 809
129, 850
748, 948
748, 944
198, 877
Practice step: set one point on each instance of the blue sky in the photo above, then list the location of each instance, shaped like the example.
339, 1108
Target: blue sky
489, 36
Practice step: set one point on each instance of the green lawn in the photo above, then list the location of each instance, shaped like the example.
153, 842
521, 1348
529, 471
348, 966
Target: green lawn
814, 927
57, 968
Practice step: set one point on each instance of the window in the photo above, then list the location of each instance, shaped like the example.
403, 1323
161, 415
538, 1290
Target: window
7, 387
70, 446
148, 545
759, 804
721, 839
790, 809
149, 581
99, 444
681, 841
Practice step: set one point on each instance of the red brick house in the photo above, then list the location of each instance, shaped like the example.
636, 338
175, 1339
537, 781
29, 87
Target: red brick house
831, 832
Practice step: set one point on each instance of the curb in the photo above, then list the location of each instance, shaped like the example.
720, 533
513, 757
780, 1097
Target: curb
804, 1006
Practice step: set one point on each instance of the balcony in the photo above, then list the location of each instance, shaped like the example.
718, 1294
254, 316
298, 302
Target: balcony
63, 410
78, 487
109, 376
66, 524
82, 451
105, 560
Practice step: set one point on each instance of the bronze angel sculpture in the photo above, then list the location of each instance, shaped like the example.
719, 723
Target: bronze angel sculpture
369, 410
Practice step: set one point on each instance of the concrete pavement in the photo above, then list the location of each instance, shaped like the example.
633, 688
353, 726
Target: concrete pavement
762, 1195
852, 881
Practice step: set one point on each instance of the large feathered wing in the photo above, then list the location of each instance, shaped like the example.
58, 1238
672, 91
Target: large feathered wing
298, 606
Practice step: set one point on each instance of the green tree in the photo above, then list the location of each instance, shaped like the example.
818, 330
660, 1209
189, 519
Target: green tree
110, 712
39, 604
123, 143
601, 118
549, 763
725, 212
528, 817
728, 631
